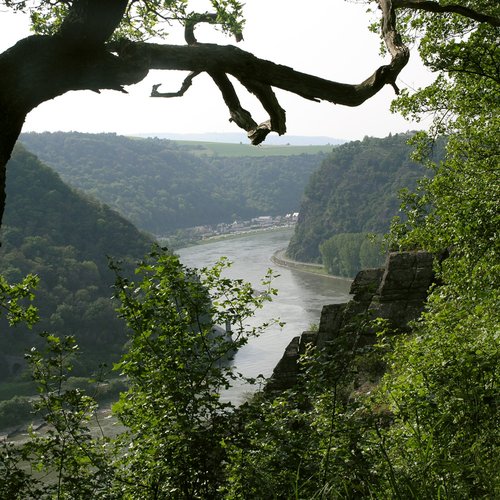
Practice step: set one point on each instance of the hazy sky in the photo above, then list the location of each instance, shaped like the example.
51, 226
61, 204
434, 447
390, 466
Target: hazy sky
328, 38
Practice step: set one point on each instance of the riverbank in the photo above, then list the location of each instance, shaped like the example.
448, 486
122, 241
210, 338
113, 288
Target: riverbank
280, 259
236, 235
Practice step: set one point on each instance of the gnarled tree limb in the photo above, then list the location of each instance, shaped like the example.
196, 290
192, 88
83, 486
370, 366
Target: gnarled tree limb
40, 68
259, 76
270, 103
239, 115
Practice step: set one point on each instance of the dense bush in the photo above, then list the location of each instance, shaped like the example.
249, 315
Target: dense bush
347, 253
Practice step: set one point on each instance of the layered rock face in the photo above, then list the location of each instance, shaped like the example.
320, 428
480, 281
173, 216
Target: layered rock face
395, 293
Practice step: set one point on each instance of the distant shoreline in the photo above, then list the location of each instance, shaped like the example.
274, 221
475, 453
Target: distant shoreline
306, 267
238, 235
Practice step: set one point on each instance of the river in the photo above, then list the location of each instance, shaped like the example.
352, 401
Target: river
298, 303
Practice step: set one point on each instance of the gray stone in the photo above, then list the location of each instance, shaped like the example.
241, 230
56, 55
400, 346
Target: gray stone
330, 322
366, 283
396, 293
285, 372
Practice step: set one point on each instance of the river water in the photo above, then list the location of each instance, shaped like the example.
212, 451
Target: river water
298, 303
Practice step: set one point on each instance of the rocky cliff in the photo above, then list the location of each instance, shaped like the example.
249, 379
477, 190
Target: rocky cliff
395, 293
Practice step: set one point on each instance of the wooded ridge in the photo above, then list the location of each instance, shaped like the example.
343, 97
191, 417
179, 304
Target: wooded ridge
355, 190
161, 187
65, 238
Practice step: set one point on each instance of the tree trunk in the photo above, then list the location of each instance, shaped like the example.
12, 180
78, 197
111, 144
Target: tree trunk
40, 68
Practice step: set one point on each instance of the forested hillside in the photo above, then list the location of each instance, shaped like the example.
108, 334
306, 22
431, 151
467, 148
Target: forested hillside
64, 238
161, 187
354, 191
376, 411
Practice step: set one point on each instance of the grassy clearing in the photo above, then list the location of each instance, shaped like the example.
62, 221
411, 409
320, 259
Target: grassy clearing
200, 148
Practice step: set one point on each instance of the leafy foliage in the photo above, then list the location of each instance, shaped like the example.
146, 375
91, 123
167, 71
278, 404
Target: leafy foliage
443, 386
63, 460
346, 253
176, 422
13, 297
63, 240
177, 365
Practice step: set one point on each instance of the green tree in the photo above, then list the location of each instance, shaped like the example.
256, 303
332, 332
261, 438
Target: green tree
177, 364
77, 464
347, 253
63, 460
443, 384
355, 190
371, 251
61, 241
13, 298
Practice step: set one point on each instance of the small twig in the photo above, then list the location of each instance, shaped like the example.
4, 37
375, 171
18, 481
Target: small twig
268, 99
188, 81
193, 21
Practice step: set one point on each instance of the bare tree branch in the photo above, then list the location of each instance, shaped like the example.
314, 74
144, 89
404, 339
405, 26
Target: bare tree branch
399, 52
193, 21
188, 81
239, 115
270, 103
259, 75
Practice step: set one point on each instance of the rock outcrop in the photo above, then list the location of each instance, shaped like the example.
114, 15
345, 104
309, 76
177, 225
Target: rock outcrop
396, 293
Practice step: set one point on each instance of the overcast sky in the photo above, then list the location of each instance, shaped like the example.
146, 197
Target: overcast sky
328, 38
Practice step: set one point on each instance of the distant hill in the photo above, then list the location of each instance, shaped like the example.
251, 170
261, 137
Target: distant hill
236, 138
161, 186
354, 191
65, 238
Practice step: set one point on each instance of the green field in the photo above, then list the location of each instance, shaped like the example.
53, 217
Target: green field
200, 148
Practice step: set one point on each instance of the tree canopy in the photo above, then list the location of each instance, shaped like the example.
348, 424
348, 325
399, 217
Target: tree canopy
63, 239
355, 190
